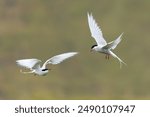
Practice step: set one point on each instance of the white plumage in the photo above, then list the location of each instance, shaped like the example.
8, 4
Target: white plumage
29, 63
34, 64
96, 32
102, 46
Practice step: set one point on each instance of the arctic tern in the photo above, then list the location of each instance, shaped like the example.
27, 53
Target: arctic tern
34, 64
102, 46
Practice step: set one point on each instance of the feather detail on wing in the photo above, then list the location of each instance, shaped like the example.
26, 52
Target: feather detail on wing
58, 58
29, 63
96, 32
112, 45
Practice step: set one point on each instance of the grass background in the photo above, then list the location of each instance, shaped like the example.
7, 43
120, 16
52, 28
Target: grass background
43, 28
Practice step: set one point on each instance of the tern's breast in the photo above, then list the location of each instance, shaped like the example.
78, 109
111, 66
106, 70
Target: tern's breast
40, 72
101, 50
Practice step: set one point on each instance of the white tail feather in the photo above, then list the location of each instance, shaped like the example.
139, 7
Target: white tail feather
120, 61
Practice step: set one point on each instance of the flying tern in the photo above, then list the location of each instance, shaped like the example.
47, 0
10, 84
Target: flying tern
34, 64
102, 46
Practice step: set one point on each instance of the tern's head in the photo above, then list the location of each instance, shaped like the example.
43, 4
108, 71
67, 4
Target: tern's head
93, 47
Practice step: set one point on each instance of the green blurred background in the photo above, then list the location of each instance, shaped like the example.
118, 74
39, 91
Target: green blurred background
44, 28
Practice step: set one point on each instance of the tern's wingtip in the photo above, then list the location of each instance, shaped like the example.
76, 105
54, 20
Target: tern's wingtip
89, 14
122, 33
76, 53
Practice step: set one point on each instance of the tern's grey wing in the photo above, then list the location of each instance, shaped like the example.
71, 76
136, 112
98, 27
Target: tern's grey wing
29, 63
96, 32
58, 58
113, 44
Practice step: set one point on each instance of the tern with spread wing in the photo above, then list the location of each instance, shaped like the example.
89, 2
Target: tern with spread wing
102, 46
34, 64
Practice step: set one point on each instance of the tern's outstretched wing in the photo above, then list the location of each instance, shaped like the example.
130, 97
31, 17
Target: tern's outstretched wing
58, 58
29, 63
96, 32
113, 44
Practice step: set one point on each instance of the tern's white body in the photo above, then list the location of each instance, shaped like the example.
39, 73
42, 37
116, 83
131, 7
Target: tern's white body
102, 46
34, 64
40, 72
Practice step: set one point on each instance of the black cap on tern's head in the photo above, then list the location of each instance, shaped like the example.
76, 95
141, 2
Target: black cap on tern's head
45, 69
93, 46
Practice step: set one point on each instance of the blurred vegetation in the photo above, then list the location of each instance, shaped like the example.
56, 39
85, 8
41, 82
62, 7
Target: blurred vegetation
43, 28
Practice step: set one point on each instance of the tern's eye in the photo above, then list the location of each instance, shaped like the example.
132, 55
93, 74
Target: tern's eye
44, 69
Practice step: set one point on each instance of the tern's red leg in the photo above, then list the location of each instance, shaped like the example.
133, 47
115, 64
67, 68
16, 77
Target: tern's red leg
105, 56
108, 56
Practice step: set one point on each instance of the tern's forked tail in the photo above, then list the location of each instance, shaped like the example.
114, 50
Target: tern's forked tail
115, 56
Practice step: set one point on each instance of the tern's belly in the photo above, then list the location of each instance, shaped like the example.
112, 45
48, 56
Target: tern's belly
104, 51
